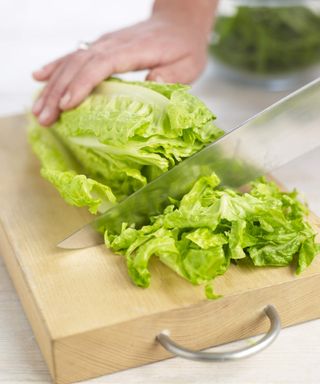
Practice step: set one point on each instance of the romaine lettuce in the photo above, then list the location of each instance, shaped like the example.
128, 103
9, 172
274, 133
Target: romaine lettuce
121, 137
212, 226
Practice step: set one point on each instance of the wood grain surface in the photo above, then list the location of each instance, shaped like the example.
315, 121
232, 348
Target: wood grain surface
87, 316
21, 361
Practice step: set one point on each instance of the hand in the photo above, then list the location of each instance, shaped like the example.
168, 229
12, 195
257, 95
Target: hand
172, 44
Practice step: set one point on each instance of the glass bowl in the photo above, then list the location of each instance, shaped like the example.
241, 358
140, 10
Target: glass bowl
272, 43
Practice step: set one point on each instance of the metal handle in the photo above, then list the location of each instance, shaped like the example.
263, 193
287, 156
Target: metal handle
265, 341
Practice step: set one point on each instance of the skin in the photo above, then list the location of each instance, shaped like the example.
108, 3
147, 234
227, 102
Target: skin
171, 44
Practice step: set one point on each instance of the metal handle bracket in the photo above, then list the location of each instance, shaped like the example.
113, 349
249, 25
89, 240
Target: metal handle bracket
265, 341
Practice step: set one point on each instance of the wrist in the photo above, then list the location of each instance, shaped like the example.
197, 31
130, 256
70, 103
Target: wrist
197, 15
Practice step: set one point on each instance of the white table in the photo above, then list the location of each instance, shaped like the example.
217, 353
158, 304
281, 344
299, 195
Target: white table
29, 38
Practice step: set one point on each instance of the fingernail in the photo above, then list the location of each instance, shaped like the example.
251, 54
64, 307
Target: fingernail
159, 79
65, 100
43, 117
37, 106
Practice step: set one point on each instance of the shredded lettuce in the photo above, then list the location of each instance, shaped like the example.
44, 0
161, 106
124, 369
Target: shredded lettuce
212, 226
121, 137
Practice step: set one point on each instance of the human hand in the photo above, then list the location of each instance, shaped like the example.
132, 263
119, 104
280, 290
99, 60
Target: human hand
172, 44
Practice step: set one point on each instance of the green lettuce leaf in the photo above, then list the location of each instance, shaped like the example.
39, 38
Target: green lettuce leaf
60, 168
198, 236
122, 136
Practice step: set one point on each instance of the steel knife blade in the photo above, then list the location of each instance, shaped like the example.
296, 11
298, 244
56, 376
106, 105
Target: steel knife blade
283, 132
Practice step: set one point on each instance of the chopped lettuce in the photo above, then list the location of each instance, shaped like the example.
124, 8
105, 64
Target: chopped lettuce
121, 137
124, 135
212, 226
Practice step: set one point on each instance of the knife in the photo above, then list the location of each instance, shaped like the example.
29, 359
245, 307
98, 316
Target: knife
284, 131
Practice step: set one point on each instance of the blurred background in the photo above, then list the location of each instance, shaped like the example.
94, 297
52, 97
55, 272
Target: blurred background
257, 55
274, 44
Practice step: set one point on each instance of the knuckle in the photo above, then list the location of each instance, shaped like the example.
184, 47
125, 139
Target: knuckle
74, 59
85, 77
78, 84
53, 96
99, 58
80, 55
96, 48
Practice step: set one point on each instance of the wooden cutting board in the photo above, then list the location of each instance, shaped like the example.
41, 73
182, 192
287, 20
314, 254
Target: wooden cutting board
88, 318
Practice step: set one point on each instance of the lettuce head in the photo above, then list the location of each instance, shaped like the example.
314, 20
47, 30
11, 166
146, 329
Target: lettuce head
121, 137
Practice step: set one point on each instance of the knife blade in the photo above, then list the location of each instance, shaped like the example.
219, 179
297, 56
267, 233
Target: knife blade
283, 132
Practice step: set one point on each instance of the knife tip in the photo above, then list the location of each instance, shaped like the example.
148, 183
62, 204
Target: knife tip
84, 238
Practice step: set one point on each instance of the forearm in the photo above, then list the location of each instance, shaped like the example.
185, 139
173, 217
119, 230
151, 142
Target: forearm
199, 14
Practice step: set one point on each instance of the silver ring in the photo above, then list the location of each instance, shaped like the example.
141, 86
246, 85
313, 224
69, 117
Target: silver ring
270, 336
83, 46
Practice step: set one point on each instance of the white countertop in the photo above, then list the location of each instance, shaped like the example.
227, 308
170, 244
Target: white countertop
33, 32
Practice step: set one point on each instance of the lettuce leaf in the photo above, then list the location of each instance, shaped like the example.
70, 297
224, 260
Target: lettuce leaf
212, 226
121, 137
60, 168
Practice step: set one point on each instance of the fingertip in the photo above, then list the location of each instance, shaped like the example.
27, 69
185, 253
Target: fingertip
155, 76
73, 97
159, 79
73, 103
48, 116
65, 101
44, 117
183, 71
40, 74
37, 106
46, 71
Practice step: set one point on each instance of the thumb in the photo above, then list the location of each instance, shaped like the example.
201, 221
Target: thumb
182, 71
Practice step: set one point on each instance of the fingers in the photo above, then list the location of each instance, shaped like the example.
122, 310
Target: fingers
184, 70
46, 71
47, 106
100, 67
91, 74
40, 103
48, 109
74, 79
